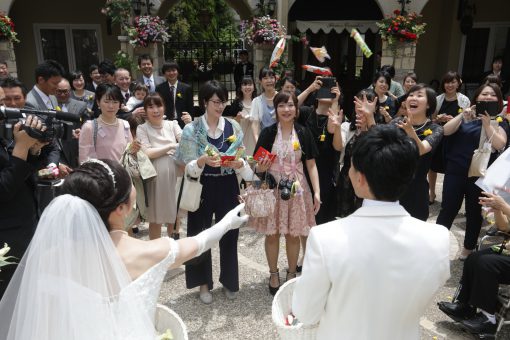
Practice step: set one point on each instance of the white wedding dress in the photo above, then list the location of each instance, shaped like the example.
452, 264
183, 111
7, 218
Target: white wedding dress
72, 284
148, 285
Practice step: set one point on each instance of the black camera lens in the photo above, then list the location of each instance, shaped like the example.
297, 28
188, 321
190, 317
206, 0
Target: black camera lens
285, 194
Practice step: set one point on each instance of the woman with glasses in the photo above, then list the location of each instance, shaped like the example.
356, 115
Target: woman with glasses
202, 144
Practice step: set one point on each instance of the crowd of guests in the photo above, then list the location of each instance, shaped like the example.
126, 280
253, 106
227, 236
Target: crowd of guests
313, 139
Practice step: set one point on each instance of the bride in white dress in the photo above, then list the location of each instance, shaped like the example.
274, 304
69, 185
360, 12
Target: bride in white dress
83, 277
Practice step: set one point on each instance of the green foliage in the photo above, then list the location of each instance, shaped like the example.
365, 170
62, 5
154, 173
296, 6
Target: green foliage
122, 60
184, 21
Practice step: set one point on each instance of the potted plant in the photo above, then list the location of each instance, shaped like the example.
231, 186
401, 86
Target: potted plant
147, 29
262, 30
7, 29
400, 28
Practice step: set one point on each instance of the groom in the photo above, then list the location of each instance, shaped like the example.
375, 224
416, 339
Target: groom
373, 273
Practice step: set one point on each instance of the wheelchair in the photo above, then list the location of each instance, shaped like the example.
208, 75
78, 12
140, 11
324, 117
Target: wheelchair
494, 237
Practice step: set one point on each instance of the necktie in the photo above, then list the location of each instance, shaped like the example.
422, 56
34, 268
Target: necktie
127, 97
172, 101
149, 85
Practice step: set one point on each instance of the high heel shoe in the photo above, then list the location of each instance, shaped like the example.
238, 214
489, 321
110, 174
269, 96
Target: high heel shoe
273, 290
290, 275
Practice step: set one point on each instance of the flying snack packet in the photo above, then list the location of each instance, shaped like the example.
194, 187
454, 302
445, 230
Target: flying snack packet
361, 43
320, 53
277, 53
323, 71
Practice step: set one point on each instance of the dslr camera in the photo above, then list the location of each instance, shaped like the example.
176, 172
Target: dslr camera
58, 124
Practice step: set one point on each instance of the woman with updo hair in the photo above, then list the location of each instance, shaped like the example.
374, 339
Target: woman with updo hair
86, 272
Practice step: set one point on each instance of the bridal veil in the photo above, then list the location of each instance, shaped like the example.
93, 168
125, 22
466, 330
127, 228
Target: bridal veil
70, 283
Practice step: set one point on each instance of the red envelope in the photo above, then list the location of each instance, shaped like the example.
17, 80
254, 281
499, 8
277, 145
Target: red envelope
263, 153
225, 159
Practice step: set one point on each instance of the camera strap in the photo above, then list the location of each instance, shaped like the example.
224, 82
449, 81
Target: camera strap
284, 148
95, 127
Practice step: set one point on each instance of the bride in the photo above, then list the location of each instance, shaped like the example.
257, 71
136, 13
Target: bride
83, 277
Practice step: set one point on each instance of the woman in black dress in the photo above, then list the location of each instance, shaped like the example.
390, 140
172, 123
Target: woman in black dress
448, 105
420, 104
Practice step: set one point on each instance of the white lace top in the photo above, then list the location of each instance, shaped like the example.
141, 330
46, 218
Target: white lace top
148, 285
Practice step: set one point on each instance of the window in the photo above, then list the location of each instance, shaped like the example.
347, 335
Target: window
76, 47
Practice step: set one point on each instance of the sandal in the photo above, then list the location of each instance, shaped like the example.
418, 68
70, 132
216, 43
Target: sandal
290, 275
273, 290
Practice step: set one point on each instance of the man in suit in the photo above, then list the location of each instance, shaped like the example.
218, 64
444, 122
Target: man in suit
122, 79
372, 274
107, 70
242, 69
148, 77
178, 96
4, 69
95, 78
42, 97
497, 70
69, 148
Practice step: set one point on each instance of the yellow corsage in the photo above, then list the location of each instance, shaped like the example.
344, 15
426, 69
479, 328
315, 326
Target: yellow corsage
427, 132
460, 110
90, 97
499, 119
296, 145
179, 95
167, 335
232, 139
58, 108
386, 108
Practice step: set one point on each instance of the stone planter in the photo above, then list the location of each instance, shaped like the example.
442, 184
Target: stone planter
402, 57
261, 56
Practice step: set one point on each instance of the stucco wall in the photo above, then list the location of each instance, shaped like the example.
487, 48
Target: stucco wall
27, 12
439, 48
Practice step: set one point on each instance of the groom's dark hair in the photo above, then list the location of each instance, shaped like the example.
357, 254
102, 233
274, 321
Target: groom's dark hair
388, 158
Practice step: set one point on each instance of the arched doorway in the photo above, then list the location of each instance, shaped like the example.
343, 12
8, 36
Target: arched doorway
329, 24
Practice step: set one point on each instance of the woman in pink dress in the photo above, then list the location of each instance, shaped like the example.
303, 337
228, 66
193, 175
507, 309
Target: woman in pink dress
293, 216
107, 136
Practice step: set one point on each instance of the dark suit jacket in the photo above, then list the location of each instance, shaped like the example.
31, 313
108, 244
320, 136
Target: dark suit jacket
17, 191
239, 74
183, 100
69, 148
157, 80
90, 87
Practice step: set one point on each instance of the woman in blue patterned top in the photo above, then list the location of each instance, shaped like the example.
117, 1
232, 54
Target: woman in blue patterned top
202, 143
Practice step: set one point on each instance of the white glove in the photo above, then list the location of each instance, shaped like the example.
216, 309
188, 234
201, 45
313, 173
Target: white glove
209, 237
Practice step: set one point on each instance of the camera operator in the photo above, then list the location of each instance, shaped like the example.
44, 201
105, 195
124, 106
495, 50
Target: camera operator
16, 97
18, 207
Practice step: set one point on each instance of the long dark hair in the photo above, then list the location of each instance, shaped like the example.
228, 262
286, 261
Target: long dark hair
246, 81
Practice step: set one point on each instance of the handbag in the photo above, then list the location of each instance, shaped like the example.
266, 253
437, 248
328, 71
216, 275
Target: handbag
259, 201
190, 192
481, 156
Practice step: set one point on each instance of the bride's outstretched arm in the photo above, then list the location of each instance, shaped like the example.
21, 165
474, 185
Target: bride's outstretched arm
191, 247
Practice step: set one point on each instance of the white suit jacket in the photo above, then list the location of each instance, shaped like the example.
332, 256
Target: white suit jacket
371, 275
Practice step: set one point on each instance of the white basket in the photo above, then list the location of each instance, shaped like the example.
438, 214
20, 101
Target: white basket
168, 319
282, 307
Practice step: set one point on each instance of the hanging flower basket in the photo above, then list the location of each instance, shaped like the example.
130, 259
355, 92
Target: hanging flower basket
147, 29
401, 28
262, 30
7, 29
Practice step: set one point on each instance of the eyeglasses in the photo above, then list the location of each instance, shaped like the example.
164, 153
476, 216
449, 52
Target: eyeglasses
63, 91
218, 103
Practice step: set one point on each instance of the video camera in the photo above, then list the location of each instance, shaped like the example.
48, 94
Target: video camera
58, 124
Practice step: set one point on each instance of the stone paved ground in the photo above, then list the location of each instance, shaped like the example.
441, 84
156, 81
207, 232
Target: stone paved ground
249, 316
